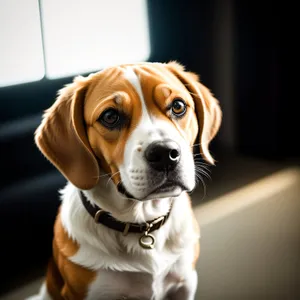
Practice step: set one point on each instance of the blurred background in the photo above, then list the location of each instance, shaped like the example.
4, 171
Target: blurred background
249, 214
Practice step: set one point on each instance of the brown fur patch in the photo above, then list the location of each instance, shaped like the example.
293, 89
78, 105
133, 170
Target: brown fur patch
66, 280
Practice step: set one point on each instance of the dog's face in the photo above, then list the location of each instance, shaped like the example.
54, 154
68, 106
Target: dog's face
137, 123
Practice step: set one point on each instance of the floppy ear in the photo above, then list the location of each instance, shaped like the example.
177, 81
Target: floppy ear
208, 110
61, 137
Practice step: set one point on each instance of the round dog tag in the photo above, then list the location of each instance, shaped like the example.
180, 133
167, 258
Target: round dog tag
147, 241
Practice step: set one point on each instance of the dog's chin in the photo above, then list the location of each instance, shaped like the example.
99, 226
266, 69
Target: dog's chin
166, 190
174, 191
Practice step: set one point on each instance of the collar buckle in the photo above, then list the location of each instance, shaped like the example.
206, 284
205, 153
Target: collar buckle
160, 219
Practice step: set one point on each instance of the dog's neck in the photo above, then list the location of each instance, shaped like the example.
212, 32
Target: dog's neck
106, 196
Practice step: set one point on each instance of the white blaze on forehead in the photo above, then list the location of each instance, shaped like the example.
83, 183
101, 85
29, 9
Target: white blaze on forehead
131, 76
150, 129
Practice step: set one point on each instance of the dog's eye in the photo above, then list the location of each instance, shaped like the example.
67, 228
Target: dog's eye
110, 118
178, 107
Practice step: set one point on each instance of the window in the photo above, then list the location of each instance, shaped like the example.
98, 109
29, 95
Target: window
21, 51
78, 36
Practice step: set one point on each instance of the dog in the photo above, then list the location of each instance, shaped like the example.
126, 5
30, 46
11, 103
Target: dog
124, 139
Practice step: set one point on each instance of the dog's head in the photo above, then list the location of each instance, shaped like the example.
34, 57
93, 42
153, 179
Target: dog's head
136, 122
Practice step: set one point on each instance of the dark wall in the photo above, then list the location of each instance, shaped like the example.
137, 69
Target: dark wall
266, 110
183, 31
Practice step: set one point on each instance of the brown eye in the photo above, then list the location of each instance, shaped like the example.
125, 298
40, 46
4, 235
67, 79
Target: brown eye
178, 107
110, 118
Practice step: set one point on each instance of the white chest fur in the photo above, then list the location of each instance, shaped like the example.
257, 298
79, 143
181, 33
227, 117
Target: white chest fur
111, 284
123, 268
126, 285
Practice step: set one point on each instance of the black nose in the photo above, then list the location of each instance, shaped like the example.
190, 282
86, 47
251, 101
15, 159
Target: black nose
163, 155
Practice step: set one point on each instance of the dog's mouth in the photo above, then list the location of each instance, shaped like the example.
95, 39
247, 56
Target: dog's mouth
168, 188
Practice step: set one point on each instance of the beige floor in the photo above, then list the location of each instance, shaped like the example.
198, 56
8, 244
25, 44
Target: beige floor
250, 244
251, 241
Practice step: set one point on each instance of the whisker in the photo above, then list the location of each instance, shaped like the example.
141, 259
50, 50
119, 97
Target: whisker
201, 162
110, 178
202, 172
199, 177
203, 166
101, 175
204, 188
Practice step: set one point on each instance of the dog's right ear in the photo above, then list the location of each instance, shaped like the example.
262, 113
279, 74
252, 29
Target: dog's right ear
62, 138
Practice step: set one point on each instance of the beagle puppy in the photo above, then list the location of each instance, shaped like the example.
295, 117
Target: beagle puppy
124, 140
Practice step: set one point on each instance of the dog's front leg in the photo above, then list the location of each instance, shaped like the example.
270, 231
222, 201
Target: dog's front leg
184, 274
186, 290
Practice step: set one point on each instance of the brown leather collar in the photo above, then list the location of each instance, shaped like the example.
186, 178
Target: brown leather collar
105, 218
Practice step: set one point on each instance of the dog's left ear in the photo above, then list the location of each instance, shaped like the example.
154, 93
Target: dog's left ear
208, 110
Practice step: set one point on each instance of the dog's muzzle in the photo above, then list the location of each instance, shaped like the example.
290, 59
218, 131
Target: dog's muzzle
163, 171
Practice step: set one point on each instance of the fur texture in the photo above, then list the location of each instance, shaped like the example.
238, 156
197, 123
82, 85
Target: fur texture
91, 261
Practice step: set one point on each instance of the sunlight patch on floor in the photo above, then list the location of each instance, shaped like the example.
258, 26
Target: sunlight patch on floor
247, 195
